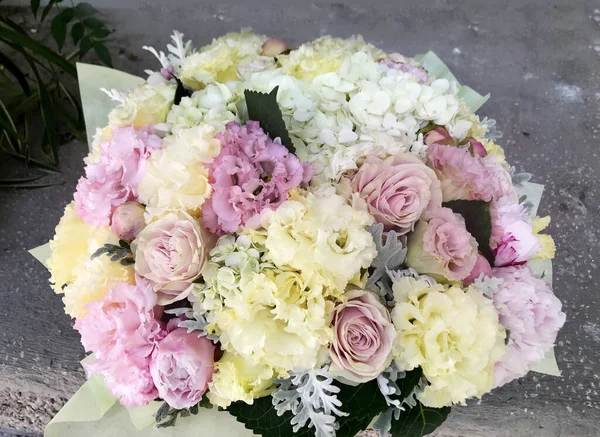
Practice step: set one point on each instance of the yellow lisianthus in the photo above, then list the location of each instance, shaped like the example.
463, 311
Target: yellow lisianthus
452, 334
147, 104
493, 149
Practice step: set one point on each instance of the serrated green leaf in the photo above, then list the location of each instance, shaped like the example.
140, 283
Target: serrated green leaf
478, 221
58, 27
103, 54
362, 403
419, 421
77, 32
264, 108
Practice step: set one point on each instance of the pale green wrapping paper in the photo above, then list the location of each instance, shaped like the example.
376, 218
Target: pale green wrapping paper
93, 411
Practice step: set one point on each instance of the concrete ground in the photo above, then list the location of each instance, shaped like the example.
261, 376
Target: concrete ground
540, 60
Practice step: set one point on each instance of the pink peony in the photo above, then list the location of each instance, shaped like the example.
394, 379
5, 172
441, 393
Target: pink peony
252, 173
362, 339
113, 180
442, 247
171, 253
482, 267
464, 176
182, 367
121, 330
532, 316
513, 239
406, 65
398, 190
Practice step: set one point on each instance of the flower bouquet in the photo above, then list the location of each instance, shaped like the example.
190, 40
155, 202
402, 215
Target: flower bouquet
315, 241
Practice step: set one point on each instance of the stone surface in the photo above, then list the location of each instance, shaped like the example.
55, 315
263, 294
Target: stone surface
539, 59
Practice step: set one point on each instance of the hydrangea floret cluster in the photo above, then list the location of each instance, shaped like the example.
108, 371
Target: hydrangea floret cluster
315, 239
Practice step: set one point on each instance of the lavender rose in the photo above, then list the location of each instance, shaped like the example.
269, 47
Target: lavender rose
171, 253
398, 190
363, 338
181, 367
442, 247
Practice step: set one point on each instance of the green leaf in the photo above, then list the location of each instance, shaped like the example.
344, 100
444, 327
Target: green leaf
162, 412
48, 8
85, 46
85, 10
362, 403
59, 26
262, 419
419, 421
478, 221
26, 42
181, 91
409, 382
100, 33
35, 5
77, 32
103, 54
12, 68
93, 23
263, 108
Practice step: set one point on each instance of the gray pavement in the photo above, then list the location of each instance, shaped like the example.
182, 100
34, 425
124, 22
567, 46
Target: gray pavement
540, 60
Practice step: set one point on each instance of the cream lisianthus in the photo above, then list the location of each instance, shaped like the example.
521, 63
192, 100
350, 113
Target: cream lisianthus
72, 270
452, 334
318, 233
147, 104
236, 379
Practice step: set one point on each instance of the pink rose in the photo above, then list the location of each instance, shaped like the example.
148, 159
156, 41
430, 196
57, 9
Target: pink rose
439, 135
513, 239
464, 176
113, 180
363, 338
398, 190
482, 266
121, 330
442, 247
171, 253
128, 220
532, 316
182, 367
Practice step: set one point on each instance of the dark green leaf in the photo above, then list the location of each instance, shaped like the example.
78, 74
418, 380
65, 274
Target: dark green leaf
19, 180
85, 10
26, 186
103, 54
262, 419
478, 221
263, 108
93, 23
85, 46
124, 244
194, 408
35, 5
409, 382
77, 32
362, 403
162, 412
100, 33
26, 42
181, 91
59, 24
48, 8
419, 421
12, 68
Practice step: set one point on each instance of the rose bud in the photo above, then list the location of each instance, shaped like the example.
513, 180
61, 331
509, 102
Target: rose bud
438, 135
477, 147
481, 266
128, 220
274, 47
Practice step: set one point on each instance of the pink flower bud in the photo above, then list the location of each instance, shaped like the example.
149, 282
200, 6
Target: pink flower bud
438, 135
128, 220
481, 266
477, 147
274, 47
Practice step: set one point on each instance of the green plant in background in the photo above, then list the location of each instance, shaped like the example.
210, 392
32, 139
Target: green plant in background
37, 101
